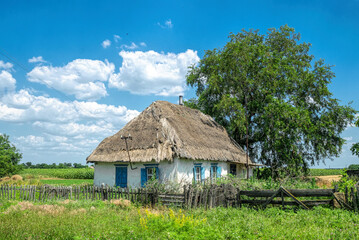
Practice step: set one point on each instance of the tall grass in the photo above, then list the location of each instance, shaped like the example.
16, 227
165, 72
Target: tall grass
100, 220
71, 173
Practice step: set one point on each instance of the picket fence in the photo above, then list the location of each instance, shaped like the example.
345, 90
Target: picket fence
192, 196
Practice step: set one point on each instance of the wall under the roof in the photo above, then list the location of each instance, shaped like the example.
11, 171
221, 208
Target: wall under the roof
179, 171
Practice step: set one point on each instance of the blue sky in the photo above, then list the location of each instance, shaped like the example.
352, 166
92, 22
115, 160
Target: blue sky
80, 70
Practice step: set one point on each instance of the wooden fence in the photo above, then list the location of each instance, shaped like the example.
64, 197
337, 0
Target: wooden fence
191, 197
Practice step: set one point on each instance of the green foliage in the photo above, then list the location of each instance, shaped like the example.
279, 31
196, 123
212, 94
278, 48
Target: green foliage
346, 181
53, 165
70, 173
272, 85
355, 146
259, 184
324, 172
99, 220
353, 167
9, 157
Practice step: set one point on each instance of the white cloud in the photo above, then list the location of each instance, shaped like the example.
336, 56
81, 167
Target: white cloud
81, 77
5, 65
66, 127
348, 138
26, 108
7, 82
116, 38
143, 44
106, 43
153, 73
168, 24
38, 59
131, 47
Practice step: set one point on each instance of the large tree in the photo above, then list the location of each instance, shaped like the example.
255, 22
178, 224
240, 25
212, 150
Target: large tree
355, 147
9, 157
271, 84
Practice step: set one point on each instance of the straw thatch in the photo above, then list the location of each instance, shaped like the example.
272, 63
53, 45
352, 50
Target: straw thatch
164, 131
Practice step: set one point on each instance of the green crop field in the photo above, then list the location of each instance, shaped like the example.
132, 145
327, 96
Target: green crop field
66, 182
67, 173
324, 172
103, 220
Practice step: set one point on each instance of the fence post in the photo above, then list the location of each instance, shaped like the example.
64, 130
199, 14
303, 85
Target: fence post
354, 201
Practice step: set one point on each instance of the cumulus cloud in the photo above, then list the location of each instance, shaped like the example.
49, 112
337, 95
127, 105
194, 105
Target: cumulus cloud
5, 65
82, 78
65, 126
38, 59
167, 24
132, 46
153, 73
7, 82
116, 38
106, 43
23, 107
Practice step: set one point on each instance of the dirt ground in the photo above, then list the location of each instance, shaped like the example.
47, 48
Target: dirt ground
327, 180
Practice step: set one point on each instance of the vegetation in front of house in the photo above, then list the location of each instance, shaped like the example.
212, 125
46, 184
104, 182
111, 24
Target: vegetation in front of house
69, 173
271, 86
123, 220
9, 157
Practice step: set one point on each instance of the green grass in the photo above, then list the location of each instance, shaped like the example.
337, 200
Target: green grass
101, 220
66, 182
324, 172
71, 173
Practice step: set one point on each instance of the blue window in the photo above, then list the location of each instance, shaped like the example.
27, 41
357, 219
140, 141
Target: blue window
151, 171
198, 173
215, 172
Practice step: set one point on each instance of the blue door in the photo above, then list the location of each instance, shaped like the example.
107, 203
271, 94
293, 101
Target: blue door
121, 177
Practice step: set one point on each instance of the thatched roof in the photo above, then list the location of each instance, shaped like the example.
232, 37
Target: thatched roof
164, 131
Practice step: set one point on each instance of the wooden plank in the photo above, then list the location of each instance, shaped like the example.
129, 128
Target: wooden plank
272, 197
354, 201
289, 203
190, 196
295, 192
293, 197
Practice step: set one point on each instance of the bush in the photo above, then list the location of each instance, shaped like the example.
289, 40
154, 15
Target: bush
353, 167
9, 157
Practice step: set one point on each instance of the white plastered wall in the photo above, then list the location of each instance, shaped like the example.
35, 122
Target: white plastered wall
179, 171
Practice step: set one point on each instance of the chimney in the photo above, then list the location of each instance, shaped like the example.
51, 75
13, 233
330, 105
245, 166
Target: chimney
180, 101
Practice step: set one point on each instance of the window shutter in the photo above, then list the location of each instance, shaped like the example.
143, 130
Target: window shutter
202, 174
219, 170
157, 173
143, 176
194, 174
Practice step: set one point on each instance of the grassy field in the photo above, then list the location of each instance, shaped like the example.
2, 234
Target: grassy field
324, 172
71, 173
66, 182
102, 220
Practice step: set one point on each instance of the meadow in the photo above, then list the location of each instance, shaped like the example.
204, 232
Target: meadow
104, 220
67, 173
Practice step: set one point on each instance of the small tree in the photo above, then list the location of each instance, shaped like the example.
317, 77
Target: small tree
9, 157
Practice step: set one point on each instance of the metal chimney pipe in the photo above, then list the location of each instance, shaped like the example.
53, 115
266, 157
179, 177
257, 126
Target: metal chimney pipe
180, 101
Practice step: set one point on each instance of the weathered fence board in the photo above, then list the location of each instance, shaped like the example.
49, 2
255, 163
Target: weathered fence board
191, 197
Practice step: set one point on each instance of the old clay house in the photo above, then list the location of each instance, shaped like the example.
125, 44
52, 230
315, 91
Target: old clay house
168, 142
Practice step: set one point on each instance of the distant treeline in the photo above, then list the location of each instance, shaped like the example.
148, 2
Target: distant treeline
53, 165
